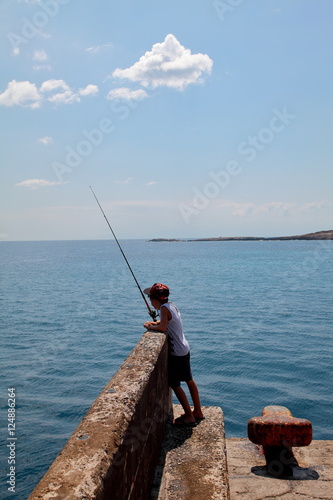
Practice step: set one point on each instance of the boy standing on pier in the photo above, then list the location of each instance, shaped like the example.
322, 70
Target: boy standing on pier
179, 353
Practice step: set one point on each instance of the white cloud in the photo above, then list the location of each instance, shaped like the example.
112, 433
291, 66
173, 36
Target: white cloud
314, 205
89, 90
67, 97
167, 64
40, 67
240, 209
38, 183
270, 208
27, 94
45, 140
96, 48
142, 203
35, 105
53, 84
126, 181
40, 55
22, 94
44, 35
276, 207
151, 183
248, 209
126, 94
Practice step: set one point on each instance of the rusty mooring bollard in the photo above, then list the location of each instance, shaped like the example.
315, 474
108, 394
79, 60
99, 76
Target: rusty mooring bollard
278, 431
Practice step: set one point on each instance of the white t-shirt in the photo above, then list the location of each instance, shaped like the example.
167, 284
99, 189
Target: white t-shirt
177, 341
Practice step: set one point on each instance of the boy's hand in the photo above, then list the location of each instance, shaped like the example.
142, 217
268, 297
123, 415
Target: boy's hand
154, 326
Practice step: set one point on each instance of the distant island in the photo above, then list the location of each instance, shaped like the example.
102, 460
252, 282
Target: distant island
319, 235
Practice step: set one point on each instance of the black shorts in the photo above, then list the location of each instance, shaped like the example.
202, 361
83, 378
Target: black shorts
179, 370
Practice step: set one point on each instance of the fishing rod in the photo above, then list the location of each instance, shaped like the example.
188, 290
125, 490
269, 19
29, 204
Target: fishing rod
151, 312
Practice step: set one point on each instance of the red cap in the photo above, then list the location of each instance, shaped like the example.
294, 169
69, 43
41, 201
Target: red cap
158, 291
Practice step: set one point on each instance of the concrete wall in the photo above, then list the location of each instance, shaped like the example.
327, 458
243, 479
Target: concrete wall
113, 451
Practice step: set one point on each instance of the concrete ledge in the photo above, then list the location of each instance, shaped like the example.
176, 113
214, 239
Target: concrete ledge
113, 451
248, 479
192, 464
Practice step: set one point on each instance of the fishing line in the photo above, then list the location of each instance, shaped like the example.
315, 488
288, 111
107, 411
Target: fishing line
152, 313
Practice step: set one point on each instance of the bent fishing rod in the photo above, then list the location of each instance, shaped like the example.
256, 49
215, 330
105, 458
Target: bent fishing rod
152, 313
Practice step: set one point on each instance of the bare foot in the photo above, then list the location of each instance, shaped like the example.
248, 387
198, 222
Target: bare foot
196, 416
182, 421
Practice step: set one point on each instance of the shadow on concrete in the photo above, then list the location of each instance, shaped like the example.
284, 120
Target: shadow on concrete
296, 473
281, 463
175, 436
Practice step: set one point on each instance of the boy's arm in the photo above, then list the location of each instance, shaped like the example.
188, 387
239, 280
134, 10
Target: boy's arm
151, 325
162, 325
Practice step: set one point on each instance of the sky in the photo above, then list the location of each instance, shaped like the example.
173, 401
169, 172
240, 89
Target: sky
190, 119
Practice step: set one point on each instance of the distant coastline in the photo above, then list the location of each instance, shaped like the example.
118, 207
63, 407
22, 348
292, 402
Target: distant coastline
319, 235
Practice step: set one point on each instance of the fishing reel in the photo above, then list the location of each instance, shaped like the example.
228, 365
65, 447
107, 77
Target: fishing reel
153, 314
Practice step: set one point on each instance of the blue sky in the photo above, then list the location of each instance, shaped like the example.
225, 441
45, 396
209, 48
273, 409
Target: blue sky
189, 119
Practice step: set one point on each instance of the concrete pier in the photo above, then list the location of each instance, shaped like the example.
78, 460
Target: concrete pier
113, 452
248, 479
126, 448
192, 464
200, 464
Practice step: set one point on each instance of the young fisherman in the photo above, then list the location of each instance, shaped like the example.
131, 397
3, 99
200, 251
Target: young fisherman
179, 353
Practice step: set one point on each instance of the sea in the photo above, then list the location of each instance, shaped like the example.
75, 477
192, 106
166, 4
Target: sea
257, 314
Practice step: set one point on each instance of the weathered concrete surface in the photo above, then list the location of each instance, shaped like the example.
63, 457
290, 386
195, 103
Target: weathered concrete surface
112, 454
315, 459
192, 464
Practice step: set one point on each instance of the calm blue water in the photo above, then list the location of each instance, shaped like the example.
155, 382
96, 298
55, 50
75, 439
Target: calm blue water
258, 316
